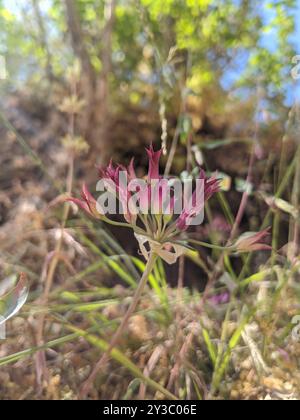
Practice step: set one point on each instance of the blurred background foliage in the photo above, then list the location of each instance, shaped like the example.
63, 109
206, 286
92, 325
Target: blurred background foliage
205, 60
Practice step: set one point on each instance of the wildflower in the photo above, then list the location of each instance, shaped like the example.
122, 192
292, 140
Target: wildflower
87, 202
211, 186
220, 298
149, 210
154, 158
149, 205
252, 241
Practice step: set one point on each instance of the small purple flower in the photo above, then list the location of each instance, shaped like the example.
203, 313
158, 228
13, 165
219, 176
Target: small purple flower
154, 158
87, 202
160, 225
211, 186
253, 241
220, 299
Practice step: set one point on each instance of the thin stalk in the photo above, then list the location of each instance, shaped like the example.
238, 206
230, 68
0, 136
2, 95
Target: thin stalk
294, 224
118, 334
211, 246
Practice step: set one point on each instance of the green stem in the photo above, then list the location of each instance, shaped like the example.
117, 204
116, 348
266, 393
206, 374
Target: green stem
211, 246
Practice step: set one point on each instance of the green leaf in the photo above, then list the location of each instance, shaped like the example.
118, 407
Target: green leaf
210, 346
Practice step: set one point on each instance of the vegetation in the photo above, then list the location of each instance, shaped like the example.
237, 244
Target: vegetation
209, 83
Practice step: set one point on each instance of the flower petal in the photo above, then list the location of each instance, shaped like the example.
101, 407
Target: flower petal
154, 158
251, 241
